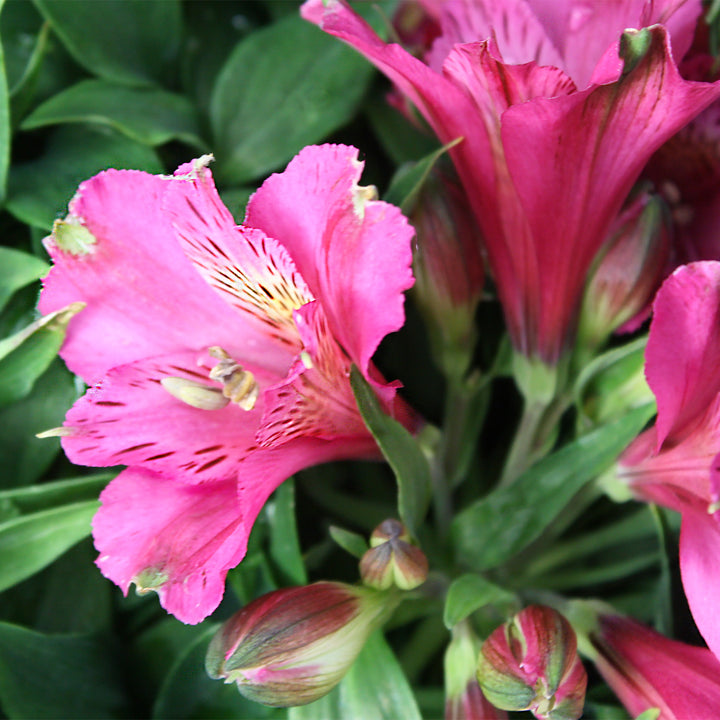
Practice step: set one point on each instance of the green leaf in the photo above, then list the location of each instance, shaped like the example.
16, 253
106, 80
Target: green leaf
27, 354
496, 527
34, 498
4, 123
375, 688
42, 188
127, 41
409, 179
284, 542
411, 467
31, 542
283, 87
23, 456
649, 714
59, 676
149, 115
18, 269
352, 542
468, 594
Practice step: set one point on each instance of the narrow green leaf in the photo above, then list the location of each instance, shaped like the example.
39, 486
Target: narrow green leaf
18, 269
4, 123
31, 542
34, 498
28, 354
41, 188
668, 558
128, 41
468, 594
60, 676
649, 714
409, 179
411, 467
284, 542
496, 527
283, 87
149, 115
351, 542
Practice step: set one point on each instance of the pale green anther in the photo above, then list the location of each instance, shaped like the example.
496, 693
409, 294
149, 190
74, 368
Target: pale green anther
713, 507
72, 237
195, 394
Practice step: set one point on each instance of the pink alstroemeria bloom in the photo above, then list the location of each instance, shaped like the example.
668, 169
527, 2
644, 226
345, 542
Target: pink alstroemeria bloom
556, 129
647, 670
676, 463
220, 354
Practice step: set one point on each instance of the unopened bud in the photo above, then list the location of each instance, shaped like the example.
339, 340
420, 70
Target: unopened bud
392, 560
448, 268
628, 271
531, 663
292, 646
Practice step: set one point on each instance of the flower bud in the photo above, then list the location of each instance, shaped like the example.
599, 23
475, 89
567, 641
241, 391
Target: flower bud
448, 271
392, 560
464, 699
292, 646
628, 272
531, 663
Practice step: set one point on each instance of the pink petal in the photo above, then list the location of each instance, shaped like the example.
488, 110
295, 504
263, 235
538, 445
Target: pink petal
143, 295
684, 345
179, 540
250, 271
353, 253
512, 24
316, 399
587, 150
700, 569
130, 419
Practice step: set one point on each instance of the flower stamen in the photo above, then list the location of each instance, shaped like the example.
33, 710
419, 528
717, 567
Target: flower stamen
239, 386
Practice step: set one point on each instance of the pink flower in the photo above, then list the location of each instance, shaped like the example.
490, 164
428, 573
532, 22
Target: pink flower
675, 463
556, 130
220, 355
647, 670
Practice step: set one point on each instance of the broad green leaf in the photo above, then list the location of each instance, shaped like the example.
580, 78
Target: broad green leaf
31, 542
352, 542
411, 467
24, 457
409, 179
28, 354
45, 496
4, 122
18, 269
468, 594
149, 115
496, 527
60, 676
283, 87
391, 697
128, 41
42, 188
375, 688
284, 543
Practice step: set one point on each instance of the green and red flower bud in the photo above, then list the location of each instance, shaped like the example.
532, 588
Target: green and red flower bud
292, 646
449, 273
391, 560
464, 699
628, 271
531, 663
